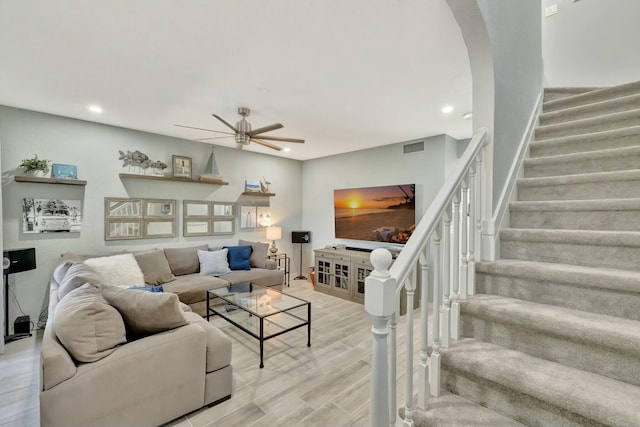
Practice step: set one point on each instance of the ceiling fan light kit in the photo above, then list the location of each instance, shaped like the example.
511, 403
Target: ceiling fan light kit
243, 134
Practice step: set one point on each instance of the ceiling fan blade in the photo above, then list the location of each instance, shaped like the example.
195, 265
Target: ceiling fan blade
214, 137
223, 121
266, 144
279, 138
209, 130
265, 129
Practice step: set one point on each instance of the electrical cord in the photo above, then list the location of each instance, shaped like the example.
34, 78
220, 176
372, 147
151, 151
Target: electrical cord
32, 326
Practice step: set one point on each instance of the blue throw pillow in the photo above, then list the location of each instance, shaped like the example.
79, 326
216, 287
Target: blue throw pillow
239, 257
157, 288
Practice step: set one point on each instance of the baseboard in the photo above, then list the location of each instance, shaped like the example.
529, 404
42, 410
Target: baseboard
500, 220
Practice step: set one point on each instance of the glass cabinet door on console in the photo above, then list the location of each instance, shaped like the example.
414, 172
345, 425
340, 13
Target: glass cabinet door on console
323, 273
362, 270
341, 276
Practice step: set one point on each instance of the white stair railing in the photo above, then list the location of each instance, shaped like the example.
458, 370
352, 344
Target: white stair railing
450, 254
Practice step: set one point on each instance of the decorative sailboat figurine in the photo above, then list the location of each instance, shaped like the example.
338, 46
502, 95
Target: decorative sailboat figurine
212, 174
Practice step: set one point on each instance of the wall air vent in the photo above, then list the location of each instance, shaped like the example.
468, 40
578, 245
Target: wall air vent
413, 147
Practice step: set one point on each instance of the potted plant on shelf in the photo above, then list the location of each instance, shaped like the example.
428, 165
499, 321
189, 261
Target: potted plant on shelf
35, 166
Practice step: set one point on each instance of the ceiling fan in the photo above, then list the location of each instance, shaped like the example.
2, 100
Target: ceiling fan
244, 135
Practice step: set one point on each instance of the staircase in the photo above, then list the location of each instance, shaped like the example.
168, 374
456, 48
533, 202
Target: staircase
552, 336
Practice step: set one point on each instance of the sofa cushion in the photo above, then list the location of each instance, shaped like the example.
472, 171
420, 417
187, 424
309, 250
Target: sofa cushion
77, 275
117, 270
218, 344
155, 267
214, 263
184, 260
259, 276
239, 257
192, 288
145, 312
259, 253
87, 326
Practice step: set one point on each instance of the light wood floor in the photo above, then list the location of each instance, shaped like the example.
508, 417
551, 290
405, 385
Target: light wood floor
324, 385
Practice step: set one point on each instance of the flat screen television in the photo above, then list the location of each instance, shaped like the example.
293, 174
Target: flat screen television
378, 214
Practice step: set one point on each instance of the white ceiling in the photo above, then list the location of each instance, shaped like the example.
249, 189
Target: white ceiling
342, 74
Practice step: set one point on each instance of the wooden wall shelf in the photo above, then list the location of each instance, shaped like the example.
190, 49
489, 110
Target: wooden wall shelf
43, 180
170, 178
251, 193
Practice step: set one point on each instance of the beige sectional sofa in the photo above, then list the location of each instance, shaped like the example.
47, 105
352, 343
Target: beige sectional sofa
120, 357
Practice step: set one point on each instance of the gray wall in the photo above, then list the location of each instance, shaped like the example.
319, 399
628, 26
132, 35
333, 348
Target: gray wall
591, 42
515, 35
385, 165
94, 149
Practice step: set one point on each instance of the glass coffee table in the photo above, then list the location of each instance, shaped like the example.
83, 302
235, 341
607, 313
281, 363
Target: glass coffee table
261, 312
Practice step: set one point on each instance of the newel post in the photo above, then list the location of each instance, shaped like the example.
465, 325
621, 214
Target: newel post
379, 302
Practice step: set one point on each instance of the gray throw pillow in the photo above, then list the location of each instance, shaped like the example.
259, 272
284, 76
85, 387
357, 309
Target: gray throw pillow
87, 326
259, 253
155, 267
184, 260
145, 312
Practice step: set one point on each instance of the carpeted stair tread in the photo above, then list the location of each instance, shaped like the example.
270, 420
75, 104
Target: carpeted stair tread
595, 109
451, 410
592, 124
572, 205
592, 96
599, 330
605, 214
605, 278
593, 396
630, 175
622, 137
579, 237
554, 93
606, 160
584, 186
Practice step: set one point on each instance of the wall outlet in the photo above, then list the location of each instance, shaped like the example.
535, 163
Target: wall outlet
550, 10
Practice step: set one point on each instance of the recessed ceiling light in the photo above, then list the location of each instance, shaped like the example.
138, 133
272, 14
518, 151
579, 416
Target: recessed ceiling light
287, 150
447, 109
467, 116
95, 109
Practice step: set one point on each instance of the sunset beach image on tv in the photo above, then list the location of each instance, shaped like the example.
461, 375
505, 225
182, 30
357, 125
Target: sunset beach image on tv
379, 214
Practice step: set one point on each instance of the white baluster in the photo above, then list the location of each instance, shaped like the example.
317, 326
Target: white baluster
423, 373
445, 310
393, 358
408, 413
434, 361
464, 218
479, 202
380, 302
473, 190
455, 267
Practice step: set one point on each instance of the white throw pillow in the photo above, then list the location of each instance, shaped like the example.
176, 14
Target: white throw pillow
118, 269
214, 263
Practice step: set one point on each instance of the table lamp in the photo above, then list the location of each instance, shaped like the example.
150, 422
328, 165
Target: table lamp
273, 234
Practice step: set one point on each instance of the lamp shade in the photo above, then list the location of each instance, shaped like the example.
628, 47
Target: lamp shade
274, 233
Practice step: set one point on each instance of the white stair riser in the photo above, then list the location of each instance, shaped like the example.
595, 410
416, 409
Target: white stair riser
581, 191
625, 161
599, 124
610, 302
590, 357
589, 255
628, 220
593, 110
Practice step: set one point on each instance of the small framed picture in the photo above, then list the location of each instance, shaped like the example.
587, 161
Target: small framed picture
181, 167
64, 171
